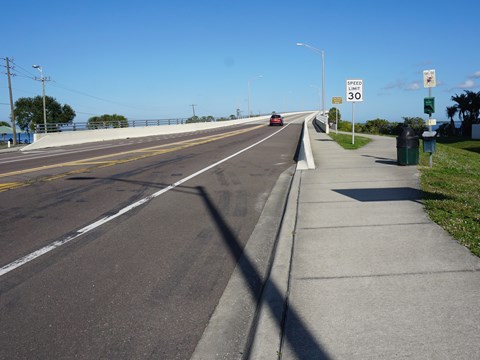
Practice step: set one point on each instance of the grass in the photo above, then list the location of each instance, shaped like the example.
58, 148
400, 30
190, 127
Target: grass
451, 187
345, 141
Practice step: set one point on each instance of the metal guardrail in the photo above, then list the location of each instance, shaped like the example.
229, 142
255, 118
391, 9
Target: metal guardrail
81, 126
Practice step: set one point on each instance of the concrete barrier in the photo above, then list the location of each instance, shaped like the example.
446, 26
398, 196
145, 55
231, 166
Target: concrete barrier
87, 136
322, 123
305, 155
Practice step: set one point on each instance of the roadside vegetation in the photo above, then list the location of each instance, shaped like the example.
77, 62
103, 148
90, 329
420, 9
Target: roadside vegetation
345, 141
451, 188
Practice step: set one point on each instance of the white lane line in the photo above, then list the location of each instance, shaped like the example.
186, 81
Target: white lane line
46, 249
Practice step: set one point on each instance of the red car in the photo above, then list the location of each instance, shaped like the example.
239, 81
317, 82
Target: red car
276, 119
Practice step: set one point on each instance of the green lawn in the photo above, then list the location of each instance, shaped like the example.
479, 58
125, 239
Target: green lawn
346, 141
451, 187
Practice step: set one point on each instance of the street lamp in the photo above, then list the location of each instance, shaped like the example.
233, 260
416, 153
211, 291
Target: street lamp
42, 79
323, 71
256, 77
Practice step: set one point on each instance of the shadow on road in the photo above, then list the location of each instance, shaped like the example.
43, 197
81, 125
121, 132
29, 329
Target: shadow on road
309, 346
305, 349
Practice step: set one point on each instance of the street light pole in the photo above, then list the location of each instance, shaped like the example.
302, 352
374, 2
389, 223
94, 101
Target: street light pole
42, 78
323, 71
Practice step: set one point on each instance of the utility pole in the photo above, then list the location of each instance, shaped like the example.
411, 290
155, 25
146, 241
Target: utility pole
42, 79
11, 103
193, 108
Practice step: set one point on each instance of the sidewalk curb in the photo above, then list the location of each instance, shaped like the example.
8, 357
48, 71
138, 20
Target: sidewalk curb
229, 332
267, 339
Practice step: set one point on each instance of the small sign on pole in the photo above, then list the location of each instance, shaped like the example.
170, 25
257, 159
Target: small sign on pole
337, 100
429, 79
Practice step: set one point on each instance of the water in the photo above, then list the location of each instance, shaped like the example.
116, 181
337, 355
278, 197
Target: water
21, 137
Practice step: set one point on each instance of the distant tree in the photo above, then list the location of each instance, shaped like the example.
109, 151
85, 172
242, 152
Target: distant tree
29, 112
4, 123
416, 123
344, 125
468, 109
107, 121
209, 118
378, 126
193, 119
196, 119
450, 129
332, 115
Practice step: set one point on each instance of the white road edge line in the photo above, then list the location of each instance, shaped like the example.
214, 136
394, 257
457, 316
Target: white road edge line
32, 256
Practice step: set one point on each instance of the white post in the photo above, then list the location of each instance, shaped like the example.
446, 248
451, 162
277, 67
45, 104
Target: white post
353, 123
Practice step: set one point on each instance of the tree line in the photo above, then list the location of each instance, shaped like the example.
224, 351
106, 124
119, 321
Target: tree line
209, 118
29, 113
467, 108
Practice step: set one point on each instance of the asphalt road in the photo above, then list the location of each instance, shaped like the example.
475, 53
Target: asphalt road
118, 250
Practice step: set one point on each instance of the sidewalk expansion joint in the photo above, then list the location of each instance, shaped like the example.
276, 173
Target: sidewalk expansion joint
364, 226
419, 273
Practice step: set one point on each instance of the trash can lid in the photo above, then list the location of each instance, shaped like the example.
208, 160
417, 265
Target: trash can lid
407, 133
429, 133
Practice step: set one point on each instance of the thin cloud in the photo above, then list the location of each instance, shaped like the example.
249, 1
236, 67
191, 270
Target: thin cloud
475, 75
401, 85
468, 84
413, 86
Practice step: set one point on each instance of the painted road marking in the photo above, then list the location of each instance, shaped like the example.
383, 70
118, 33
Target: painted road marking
56, 244
100, 161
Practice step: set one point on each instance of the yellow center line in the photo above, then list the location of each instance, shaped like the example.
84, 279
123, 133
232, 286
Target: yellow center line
101, 161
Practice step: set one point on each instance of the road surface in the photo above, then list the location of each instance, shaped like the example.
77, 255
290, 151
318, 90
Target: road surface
118, 250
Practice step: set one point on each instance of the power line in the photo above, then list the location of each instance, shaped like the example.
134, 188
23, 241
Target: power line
55, 83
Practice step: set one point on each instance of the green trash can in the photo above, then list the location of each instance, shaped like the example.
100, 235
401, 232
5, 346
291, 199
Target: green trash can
407, 147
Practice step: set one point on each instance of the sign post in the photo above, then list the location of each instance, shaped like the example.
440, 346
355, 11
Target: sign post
429, 81
336, 100
354, 90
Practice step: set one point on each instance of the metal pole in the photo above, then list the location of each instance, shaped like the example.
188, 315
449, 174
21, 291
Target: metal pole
323, 83
44, 107
248, 97
430, 160
353, 123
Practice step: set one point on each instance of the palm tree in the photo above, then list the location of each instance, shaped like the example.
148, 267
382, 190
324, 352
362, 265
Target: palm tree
463, 112
474, 106
451, 112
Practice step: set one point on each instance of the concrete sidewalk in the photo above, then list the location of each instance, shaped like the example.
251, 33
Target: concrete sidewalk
367, 275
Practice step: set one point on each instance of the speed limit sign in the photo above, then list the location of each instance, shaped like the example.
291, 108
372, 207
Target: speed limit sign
354, 90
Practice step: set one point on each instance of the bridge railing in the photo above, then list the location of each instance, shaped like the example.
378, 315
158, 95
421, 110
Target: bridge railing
80, 126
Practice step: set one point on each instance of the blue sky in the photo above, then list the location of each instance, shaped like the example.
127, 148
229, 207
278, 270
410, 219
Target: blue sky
153, 59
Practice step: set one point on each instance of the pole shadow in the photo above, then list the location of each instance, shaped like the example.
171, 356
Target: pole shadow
303, 342
306, 349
